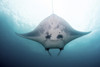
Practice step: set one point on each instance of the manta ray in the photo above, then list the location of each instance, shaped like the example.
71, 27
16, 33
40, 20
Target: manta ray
53, 33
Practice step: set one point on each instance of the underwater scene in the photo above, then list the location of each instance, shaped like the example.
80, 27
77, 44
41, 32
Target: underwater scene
18, 17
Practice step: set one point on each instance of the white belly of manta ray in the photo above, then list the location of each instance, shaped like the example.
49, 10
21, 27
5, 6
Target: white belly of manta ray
53, 33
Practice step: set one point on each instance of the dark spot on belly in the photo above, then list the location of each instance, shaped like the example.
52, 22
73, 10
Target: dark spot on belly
59, 36
48, 36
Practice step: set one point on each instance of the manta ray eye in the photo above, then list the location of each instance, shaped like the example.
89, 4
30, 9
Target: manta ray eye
59, 36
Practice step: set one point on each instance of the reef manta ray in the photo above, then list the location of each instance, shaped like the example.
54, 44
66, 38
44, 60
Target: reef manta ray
53, 32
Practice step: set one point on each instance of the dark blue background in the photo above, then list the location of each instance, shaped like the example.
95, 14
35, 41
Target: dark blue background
19, 52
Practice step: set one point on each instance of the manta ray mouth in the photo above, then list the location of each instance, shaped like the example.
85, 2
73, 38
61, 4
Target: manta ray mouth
54, 44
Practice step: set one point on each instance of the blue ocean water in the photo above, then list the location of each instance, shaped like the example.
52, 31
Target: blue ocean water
16, 51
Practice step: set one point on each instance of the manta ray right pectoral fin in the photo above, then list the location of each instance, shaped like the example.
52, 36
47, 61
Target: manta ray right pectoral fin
77, 34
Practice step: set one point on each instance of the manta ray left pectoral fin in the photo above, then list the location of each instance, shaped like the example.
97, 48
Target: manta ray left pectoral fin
28, 36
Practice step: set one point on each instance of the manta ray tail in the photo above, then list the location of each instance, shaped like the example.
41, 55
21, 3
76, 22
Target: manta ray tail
49, 53
60, 51
47, 49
